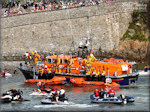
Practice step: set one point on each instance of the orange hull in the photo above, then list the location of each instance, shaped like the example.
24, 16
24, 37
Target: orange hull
53, 81
82, 82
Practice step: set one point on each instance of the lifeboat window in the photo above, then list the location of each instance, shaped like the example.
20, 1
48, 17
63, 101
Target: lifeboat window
61, 61
49, 60
65, 61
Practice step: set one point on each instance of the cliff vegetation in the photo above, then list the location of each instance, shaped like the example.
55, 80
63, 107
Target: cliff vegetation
138, 28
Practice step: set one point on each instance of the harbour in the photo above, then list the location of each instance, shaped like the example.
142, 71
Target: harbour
75, 55
78, 97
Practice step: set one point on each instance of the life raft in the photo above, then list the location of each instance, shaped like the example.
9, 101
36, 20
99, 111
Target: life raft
82, 82
53, 81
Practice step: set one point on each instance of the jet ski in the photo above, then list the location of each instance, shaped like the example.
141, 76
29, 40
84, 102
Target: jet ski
50, 100
116, 100
5, 74
7, 98
42, 93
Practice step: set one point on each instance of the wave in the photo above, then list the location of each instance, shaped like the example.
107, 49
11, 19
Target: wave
69, 104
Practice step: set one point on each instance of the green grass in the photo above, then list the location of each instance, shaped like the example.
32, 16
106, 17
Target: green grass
142, 19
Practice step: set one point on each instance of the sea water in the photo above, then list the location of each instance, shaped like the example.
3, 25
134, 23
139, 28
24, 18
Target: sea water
78, 97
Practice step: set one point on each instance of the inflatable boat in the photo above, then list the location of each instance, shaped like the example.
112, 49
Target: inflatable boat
116, 100
83, 82
49, 100
53, 81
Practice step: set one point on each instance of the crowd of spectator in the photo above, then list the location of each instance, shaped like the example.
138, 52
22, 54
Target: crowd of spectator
16, 8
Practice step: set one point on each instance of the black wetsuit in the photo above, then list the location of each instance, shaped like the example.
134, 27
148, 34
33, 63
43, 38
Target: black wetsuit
14, 92
101, 94
62, 97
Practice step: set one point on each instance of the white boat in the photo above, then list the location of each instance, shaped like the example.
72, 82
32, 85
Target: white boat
8, 75
143, 73
5, 74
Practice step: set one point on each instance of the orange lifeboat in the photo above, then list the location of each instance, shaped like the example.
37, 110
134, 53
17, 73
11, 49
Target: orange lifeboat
82, 82
53, 81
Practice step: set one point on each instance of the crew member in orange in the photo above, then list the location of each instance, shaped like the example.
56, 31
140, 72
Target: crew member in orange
88, 73
28, 60
85, 62
42, 71
69, 63
130, 68
57, 64
45, 72
91, 56
42, 57
98, 74
52, 72
103, 74
35, 58
93, 73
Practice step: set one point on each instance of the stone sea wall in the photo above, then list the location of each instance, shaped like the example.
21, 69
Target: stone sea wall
56, 30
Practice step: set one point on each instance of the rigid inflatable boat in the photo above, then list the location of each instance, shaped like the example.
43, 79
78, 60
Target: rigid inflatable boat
53, 81
83, 82
116, 100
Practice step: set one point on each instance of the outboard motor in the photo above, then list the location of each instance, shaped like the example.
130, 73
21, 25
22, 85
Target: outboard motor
123, 99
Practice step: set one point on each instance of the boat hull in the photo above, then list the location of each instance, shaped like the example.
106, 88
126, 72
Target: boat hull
53, 81
115, 100
125, 79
